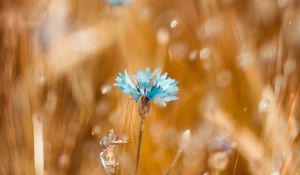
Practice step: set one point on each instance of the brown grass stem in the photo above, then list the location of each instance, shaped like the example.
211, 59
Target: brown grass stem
236, 162
139, 144
174, 162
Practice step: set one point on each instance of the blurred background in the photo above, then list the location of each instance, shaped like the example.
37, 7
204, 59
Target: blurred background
237, 63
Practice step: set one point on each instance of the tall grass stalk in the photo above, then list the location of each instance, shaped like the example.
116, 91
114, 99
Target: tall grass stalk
236, 162
174, 162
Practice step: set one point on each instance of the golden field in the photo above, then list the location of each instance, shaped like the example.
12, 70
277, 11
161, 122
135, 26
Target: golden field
236, 61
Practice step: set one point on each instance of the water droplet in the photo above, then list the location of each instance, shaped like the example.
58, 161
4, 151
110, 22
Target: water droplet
105, 89
204, 53
174, 23
163, 36
263, 105
212, 27
96, 130
193, 55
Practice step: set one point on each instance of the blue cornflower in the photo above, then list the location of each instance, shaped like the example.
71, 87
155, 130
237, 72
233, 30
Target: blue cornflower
148, 87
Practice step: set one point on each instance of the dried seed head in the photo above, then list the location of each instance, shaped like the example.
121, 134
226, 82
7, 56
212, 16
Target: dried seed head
107, 156
185, 139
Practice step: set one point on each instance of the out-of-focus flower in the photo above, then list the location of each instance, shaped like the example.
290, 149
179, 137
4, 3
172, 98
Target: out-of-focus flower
220, 149
221, 143
218, 161
118, 2
148, 86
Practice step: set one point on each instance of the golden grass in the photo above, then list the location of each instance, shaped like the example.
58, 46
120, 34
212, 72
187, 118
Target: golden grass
237, 63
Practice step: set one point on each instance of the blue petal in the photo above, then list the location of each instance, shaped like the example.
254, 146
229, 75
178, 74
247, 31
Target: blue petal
163, 90
143, 80
125, 84
158, 88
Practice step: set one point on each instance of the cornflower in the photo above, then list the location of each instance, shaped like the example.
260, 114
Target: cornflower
146, 87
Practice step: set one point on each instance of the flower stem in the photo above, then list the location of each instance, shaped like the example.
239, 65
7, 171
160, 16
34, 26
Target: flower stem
139, 144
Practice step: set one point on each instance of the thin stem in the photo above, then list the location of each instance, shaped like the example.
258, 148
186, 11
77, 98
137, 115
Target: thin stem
236, 161
139, 144
175, 160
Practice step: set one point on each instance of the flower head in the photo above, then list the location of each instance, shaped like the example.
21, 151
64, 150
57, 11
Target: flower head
146, 86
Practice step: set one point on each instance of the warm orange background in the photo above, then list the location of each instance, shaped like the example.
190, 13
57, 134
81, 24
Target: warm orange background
237, 63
